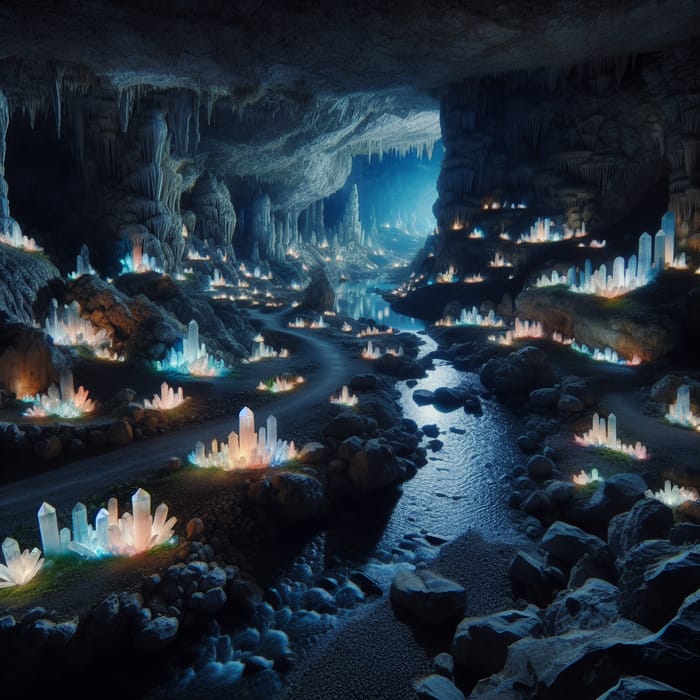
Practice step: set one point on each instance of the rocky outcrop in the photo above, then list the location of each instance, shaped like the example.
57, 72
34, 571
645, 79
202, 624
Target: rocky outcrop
318, 295
519, 373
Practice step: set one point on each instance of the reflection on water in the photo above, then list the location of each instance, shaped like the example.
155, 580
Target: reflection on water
357, 300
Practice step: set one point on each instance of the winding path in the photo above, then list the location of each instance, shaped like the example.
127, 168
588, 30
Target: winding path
63, 486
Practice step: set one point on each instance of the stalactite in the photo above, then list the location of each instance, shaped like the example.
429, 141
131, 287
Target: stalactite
195, 113
55, 74
125, 105
147, 181
209, 106
152, 134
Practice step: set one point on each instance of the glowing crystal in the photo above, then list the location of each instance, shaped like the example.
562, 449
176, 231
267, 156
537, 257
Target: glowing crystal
19, 567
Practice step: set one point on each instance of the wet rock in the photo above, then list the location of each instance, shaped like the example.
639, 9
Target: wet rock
568, 543
444, 664
157, 634
423, 397
538, 503
274, 645
599, 564
532, 578
120, 433
527, 444
480, 645
540, 467
428, 596
213, 601
614, 495
435, 445
472, 405
561, 492
447, 398
649, 519
320, 600
431, 431
436, 687
593, 605
642, 688
349, 595
366, 583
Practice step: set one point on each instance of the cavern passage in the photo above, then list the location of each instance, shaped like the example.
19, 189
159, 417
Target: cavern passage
349, 350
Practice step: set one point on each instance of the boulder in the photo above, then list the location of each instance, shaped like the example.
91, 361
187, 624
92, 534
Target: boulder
375, 466
613, 496
519, 373
448, 398
120, 433
569, 405
649, 519
49, 448
157, 634
540, 467
423, 397
318, 294
593, 605
349, 423
534, 580
429, 597
312, 453
365, 382
480, 645
436, 687
544, 398
297, 497
568, 543
642, 688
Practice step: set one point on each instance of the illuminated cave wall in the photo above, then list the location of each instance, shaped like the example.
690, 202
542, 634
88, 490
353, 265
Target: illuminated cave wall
586, 142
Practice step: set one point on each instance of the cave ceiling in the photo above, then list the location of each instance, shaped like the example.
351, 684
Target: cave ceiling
297, 89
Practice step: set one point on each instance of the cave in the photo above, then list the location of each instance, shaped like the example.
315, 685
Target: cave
349, 350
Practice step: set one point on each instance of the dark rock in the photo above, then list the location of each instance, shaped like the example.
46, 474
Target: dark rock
274, 645
642, 688
318, 294
428, 596
349, 595
106, 611
320, 600
569, 405
480, 645
447, 398
444, 664
561, 492
544, 398
683, 533
156, 634
540, 467
348, 424
365, 382
519, 373
538, 503
598, 564
593, 605
527, 444
49, 448
568, 543
532, 578
297, 497
423, 397
431, 430
194, 529
365, 583
435, 445
213, 600
436, 687
120, 433
375, 466
649, 519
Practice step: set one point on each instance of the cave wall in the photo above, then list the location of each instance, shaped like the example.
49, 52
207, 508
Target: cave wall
583, 142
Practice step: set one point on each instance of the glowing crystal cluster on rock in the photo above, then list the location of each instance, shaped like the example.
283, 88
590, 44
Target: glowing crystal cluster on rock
345, 398
136, 260
672, 494
297, 323
11, 234
168, 398
604, 434
193, 358
374, 352
63, 401
280, 384
473, 317
20, 567
318, 323
583, 478
265, 352
246, 449
680, 412
66, 326
372, 331
499, 261
449, 276
111, 535
605, 355
83, 266
543, 231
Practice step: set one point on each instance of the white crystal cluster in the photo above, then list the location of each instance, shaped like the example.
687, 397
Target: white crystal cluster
680, 412
168, 398
63, 401
449, 276
521, 330
20, 567
246, 449
604, 434
473, 317
543, 231
625, 275
12, 235
318, 323
265, 352
297, 323
583, 478
280, 384
66, 326
345, 398
499, 261
112, 535
136, 260
193, 358
607, 354
372, 331
672, 494
83, 266
374, 352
